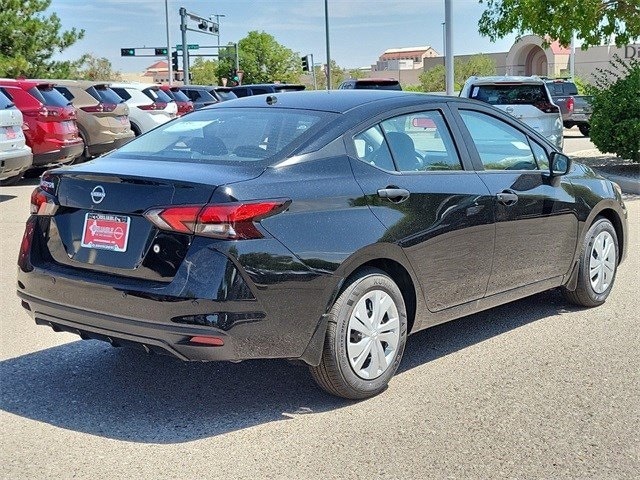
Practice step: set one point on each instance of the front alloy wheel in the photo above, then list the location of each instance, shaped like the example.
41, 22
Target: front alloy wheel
366, 335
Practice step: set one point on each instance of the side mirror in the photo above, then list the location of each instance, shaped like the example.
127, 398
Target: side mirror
559, 164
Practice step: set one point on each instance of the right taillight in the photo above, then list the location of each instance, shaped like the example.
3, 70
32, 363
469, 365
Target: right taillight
570, 104
231, 221
25, 246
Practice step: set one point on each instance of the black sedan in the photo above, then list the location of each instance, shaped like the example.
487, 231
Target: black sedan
321, 227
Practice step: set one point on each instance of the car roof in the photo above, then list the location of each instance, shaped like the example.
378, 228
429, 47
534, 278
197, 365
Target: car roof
338, 101
264, 85
25, 84
510, 79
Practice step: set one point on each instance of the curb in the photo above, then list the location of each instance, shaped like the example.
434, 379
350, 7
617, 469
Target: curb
628, 185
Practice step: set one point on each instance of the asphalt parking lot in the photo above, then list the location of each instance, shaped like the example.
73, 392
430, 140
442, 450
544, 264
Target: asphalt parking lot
533, 389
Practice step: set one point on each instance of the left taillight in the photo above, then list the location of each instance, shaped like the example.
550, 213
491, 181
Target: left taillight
42, 203
231, 221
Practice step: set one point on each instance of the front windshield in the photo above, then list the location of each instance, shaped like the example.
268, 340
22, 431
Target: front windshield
225, 135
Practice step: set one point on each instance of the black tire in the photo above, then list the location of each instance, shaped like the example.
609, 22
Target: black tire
585, 129
335, 373
7, 182
585, 295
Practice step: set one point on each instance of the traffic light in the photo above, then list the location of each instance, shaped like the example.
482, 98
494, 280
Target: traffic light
161, 51
127, 52
174, 61
305, 63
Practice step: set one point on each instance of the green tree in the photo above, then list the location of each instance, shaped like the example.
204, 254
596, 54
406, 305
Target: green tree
262, 59
433, 80
594, 21
204, 72
337, 75
91, 67
615, 121
29, 39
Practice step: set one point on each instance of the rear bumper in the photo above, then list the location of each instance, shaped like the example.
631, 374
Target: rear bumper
14, 163
65, 154
273, 314
100, 148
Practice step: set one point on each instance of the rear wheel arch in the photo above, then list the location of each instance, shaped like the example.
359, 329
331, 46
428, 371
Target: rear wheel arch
397, 272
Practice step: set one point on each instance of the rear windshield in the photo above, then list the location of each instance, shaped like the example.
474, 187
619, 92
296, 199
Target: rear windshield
177, 95
49, 96
562, 88
226, 135
157, 95
66, 93
226, 95
520, 94
122, 93
378, 85
5, 101
104, 94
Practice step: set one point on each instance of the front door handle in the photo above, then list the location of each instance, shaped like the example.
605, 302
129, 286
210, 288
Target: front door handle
394, 194
507, 198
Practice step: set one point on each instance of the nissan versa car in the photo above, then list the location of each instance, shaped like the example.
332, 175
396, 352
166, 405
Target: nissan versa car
321, 227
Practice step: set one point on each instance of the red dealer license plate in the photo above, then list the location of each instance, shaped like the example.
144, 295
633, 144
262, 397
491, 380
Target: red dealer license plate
105, 232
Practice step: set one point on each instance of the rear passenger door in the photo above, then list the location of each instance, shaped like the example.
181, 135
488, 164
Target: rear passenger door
536, 224
425, 192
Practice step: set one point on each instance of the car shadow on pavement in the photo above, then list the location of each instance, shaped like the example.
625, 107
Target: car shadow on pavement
90, 387
4, 198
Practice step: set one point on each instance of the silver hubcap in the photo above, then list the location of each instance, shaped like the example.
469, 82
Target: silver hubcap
373, 334
602, 262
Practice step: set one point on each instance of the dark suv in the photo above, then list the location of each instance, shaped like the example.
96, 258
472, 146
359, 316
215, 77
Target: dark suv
205, 95
370, 84
263, 88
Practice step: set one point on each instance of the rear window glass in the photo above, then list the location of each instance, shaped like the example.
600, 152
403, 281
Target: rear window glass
226, 135
49, 96
5, 101
562, 88
178, 96
377, 85
104, 94
226, 95
510, 94
157, 95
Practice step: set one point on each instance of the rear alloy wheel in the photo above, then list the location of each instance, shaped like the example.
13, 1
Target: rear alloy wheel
366, 336
598, 265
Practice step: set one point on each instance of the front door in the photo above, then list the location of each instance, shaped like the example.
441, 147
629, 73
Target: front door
536, 225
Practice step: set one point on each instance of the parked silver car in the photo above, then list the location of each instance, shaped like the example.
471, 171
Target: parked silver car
15, 155
525, 98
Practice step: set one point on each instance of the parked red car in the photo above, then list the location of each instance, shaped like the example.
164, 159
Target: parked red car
50, 121
182, 101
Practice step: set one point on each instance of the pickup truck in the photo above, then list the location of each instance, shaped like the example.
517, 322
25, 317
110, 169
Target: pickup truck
575, 109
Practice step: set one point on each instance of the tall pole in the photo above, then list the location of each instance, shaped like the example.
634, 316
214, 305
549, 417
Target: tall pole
572, 61
185, 52
170, 66
448, 61
313, 72
237, 63
326, 27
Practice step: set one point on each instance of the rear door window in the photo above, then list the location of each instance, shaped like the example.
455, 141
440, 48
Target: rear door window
66, 93
122, 93
178, 96
49, 96
226, 94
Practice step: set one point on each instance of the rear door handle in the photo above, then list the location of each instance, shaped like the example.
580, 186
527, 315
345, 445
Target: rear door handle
394, 194
507, 198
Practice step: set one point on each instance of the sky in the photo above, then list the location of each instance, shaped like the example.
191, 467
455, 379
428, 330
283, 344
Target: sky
359, 30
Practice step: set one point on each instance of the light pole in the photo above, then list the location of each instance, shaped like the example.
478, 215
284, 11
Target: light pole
448, 61
326, 26
169, 63
218, 17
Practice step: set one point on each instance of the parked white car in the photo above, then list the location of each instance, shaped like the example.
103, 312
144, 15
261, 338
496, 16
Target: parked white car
525, 98
15, 155
149, 106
